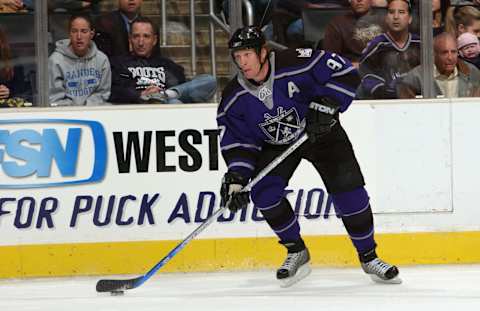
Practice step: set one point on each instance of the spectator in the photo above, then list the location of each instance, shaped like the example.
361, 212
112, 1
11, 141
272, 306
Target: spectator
389, 55
113, 28
79, 72
452, 76
13, 88
346, 34
439, 9
463, 19
12, 6
144, 76
469, 48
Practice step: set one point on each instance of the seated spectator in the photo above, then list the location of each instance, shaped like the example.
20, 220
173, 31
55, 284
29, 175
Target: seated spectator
469, 48
145, 77
346, 34
463, 19
79, 73
439, 11
113, 28
389, 55
12, 6
14, 91
452, 76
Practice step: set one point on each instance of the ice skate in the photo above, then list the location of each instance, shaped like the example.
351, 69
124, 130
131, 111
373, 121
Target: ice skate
296, 266
381, 272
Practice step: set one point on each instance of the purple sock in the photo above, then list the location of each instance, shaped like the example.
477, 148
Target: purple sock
357, 217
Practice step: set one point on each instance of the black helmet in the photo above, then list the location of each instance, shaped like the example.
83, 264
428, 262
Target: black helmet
249, 37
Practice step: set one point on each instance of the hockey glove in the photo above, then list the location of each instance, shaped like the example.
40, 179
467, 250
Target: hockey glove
230, 193
321, 117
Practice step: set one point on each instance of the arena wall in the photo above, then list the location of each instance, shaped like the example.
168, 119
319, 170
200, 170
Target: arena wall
111, 190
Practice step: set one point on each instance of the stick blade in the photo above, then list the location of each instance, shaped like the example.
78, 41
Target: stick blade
115, 285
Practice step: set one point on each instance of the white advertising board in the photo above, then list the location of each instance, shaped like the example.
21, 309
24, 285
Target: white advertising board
153, 173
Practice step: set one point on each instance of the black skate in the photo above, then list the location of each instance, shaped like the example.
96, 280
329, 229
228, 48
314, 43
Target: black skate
296, 266
379, 271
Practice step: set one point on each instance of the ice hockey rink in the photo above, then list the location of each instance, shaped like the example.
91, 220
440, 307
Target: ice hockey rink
449, 287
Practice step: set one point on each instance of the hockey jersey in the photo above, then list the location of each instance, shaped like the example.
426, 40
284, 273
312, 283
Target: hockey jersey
132, 74
250, 116
383, 62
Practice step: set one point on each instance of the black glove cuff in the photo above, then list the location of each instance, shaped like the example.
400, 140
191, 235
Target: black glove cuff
232, 177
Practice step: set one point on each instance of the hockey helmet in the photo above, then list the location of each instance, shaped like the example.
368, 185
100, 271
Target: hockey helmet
249, 37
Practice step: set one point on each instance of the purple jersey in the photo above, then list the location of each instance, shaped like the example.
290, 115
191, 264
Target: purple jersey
250, 116
383, 62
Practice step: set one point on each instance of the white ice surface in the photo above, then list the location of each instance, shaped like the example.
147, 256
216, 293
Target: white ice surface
425, 288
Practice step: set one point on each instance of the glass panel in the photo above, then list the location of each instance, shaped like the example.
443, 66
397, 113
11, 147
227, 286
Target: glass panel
17, 55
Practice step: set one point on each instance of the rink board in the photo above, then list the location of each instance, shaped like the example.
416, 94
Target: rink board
144, 177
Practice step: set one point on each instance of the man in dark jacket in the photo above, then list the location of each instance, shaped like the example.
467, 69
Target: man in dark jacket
145, 76
112, 28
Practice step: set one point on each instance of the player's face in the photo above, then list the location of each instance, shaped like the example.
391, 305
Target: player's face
81, 36
446, 56
249, 62
129, 6
143, 39
398, 18
360, 7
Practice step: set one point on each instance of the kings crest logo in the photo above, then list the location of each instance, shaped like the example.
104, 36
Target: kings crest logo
264, 93
282, 128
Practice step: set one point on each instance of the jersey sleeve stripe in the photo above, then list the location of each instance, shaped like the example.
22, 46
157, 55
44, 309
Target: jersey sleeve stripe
343, 72
236, 145
340, 89
230, 103
241, 164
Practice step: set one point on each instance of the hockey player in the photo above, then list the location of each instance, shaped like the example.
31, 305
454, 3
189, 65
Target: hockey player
274, 99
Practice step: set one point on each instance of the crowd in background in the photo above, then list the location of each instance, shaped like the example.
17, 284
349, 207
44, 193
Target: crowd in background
115, 57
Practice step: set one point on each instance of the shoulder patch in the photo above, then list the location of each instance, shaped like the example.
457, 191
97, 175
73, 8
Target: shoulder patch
304, 53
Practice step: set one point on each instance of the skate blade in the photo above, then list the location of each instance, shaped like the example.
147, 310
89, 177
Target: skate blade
302, 273
376, 279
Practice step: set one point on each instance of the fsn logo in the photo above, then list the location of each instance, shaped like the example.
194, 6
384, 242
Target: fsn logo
36, 153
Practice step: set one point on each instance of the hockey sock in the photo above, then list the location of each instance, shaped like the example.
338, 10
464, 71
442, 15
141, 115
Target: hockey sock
282, 220
294, 246
357, 218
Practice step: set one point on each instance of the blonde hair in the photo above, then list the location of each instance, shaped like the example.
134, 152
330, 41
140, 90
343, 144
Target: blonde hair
464, 15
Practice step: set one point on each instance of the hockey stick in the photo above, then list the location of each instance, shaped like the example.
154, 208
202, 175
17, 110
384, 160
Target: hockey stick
116, 286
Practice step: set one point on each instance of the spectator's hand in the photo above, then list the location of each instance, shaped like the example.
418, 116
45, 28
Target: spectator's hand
13, 4
152, 89
4, 92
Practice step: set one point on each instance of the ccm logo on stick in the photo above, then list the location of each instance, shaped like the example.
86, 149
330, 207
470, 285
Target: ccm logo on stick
36, 153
